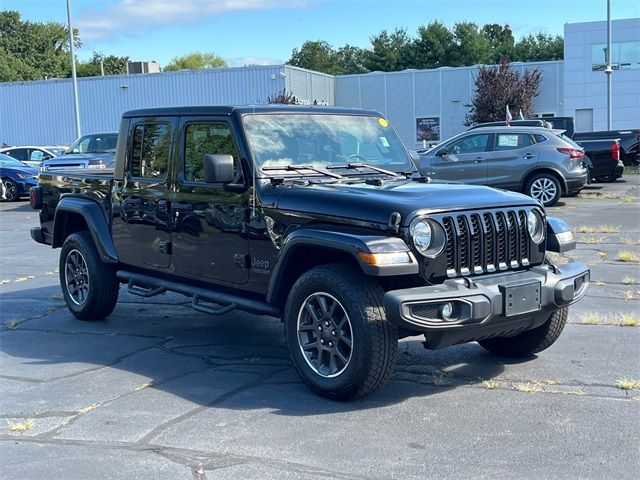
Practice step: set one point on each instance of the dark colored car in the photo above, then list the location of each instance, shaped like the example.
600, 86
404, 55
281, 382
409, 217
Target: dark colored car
628, 140
94, 152
606, 164
17, 177
315, 215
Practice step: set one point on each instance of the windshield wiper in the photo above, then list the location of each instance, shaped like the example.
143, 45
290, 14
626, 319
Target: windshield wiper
298, 168
352, 166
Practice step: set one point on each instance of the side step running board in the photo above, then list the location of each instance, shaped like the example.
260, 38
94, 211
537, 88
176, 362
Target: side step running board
146, 286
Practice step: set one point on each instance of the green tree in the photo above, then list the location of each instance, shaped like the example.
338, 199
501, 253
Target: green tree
316, 55
390, 52
196, 61
498, 87
471, 46
112, 64
33, 50
351, 59
539, 47
433, 47
501, 40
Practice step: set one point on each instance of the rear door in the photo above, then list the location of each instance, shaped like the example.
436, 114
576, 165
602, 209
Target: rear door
463, 160
210, 229
511, 156
142, 209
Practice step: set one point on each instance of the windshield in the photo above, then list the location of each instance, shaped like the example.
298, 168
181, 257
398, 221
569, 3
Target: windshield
9, 162
99, 143
324, 140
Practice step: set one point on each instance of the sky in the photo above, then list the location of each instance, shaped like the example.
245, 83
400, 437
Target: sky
266, 31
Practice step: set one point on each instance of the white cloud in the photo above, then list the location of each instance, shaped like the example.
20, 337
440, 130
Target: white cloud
246, 61
129, 17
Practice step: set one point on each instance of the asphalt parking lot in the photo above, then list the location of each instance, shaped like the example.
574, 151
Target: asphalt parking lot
160, 391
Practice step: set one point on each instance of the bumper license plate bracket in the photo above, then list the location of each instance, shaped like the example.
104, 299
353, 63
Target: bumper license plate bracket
520, 299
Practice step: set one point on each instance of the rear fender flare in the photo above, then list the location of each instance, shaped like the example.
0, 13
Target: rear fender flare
94, 216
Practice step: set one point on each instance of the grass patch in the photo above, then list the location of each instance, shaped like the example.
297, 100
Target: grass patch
599, 229
632, 170
627, 280
626, 384
490, 384
545, 382
631, 295
88, 408
593, 240
557, 259
629, 198
599, 283
628, 256
629, 320
590, 319
21, 427
12, 324
527, 387
630, 241
604, 256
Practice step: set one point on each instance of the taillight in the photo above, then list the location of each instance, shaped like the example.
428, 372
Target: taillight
615, 151
572, 152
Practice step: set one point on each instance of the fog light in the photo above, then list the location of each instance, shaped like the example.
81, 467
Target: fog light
447, 311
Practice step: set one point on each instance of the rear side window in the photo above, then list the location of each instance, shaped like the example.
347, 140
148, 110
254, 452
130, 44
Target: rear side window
19, 154
150, 150
512, 141
540, 138
202, 139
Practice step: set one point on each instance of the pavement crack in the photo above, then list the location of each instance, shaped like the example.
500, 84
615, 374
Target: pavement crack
221, 398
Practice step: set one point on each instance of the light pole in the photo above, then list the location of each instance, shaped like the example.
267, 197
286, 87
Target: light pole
608, 70
73, 71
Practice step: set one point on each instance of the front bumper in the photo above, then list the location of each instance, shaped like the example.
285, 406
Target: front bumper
488, 306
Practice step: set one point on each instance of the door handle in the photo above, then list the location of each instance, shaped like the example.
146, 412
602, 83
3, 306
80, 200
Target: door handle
478, 160
529, 156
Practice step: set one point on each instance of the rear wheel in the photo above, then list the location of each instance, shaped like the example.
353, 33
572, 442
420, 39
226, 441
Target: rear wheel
89, 286
545, 188
339, 339
529, 342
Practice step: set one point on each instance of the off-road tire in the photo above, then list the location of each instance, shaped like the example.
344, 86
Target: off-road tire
542, 179
374, 339
530, 342
101, 282
11, 190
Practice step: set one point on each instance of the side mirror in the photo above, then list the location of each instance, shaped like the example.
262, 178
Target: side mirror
218, 168
442, 153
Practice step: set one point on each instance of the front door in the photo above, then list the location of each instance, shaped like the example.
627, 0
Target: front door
209, 222
142, 215
463, 160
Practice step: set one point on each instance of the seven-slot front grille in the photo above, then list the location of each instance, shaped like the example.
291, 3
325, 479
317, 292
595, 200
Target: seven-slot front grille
486, 242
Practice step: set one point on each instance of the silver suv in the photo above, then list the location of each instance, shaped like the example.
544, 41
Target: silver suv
540, 162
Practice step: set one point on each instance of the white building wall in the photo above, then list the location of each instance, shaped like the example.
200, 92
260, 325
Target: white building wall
444, 93
586, 90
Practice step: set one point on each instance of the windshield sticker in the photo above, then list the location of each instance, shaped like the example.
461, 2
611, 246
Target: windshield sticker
383, 122
384, 142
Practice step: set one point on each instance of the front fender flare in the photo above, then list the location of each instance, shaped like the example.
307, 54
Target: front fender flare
94, 217
349, 243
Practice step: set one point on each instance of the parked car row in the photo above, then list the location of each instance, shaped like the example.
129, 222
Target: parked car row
17, 177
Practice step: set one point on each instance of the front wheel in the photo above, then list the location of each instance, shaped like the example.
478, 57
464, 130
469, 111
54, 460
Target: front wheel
339, 339
89, 286
532, 341
545, 188
10, 190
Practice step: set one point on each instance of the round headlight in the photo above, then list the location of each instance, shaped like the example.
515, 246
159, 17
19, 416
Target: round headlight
422, 235
535, 226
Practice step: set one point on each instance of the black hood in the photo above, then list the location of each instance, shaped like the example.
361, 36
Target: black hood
371, 203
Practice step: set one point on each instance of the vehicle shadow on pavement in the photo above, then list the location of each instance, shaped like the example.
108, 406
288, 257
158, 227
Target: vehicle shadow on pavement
53, 362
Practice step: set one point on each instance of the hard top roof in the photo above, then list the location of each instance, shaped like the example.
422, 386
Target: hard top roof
228, 110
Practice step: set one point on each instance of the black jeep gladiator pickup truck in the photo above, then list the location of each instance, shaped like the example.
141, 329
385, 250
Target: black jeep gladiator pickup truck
315, 215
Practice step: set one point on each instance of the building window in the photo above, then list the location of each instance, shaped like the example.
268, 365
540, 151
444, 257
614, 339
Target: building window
624, 56
150, 150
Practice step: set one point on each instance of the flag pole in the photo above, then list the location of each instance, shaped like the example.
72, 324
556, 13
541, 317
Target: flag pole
73, 72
